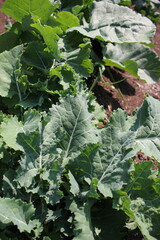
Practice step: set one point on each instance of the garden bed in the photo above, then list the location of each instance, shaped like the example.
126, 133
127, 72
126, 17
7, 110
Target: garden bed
79, 126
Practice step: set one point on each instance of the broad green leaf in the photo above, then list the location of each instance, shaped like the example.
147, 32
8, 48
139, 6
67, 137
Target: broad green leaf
9, 185
137, 59
156, 185
9, 130
73, 120
114, 23
121, 120
35, 55
66, 75
141, 203
74, 187
40, 146
82, 220
109, 161
32, 100
19, 213
10, 127
9, 64
31, 120
98, 112
64, 20
142, 181
68, 129
69, 4
39, 162
8, 40
147, 127
11, 37
41, 8
50, 36
140, 211
78, 58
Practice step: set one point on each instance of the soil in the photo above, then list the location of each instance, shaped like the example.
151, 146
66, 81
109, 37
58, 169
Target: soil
127, 95
3, 19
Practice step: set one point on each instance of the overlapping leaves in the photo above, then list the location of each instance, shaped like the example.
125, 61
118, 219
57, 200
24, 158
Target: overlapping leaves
137, 59
110, 22
57, 140
58, 171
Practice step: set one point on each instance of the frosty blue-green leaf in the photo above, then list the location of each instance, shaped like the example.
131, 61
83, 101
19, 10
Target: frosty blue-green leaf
10, 128
19, 213
82, 220
118, 24
147, 127
77, 57
9, 63
139, 60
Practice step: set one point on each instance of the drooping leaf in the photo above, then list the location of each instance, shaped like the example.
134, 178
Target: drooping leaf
9, 185
74, 187
9, 64
114, 23
147, 127
28, 7
137, 59
9, 130
19, 213
10, 127
82, 220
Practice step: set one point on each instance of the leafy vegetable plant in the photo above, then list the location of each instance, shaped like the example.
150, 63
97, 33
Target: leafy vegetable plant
61, 176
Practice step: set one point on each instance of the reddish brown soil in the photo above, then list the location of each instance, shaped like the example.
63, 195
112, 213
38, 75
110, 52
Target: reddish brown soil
3, 19
127, 95
130, 93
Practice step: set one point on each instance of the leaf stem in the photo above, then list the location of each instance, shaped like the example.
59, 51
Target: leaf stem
113, 81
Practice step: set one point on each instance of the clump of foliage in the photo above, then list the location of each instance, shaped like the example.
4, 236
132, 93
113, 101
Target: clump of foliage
61, 176
148, 8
